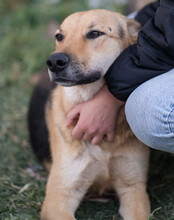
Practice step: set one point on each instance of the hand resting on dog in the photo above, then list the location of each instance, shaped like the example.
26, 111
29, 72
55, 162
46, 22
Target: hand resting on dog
96, 117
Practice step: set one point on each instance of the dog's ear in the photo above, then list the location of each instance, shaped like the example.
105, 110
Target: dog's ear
133, 28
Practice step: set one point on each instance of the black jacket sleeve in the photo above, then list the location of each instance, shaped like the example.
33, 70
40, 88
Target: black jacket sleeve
151, 56
146, 13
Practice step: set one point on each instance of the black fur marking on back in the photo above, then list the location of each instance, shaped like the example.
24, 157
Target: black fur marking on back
38, 132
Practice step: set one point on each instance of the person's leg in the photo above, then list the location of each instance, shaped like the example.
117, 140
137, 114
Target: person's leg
150, 112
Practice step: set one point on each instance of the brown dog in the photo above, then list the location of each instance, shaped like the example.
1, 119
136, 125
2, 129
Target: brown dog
87, 43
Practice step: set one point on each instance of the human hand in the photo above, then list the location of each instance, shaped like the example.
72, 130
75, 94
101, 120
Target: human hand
96, 117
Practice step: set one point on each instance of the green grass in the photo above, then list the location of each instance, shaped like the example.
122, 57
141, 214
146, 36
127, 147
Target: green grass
24, 47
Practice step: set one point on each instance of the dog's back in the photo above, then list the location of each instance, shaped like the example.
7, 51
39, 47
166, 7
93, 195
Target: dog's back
38, 132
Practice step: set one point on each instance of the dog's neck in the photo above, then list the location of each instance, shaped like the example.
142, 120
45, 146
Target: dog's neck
82, 93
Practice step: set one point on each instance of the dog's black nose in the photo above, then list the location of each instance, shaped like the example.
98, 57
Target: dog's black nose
58, 61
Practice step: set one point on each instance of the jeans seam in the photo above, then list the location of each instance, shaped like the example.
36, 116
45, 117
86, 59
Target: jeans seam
170, 129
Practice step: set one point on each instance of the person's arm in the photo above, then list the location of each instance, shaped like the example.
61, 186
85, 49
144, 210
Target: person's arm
151, 56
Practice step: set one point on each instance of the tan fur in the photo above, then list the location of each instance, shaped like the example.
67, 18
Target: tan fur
77, 165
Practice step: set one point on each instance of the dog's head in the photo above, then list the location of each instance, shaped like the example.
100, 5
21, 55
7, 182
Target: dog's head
87, 43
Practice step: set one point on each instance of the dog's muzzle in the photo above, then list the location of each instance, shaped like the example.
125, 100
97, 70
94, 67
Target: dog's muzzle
57, 68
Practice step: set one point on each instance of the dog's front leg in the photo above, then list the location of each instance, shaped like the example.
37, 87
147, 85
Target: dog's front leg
129, 174
134, 202
56, 205
66, 187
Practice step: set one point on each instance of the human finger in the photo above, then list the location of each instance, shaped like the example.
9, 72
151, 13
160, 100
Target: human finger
97, 139
77, 132
72, 115
110, 136
87, 137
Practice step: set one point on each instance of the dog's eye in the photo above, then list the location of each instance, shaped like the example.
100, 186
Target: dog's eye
94, 34
59, 37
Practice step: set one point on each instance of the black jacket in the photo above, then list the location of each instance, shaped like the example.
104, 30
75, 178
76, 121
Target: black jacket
151, 56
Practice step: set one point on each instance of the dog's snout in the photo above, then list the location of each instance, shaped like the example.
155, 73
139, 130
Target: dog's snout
58, 61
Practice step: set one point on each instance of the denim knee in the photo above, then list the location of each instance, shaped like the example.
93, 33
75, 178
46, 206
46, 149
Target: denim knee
150, 112
170, 121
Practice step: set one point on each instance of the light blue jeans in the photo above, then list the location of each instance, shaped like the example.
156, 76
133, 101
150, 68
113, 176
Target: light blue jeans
150, 112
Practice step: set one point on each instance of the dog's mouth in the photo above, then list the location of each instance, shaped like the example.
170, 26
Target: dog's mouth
64, 82
68, 80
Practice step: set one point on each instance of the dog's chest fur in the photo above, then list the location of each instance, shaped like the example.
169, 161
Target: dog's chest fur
82, 157
91, 162
82, 93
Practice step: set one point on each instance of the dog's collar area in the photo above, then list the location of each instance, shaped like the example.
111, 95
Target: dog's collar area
78, 79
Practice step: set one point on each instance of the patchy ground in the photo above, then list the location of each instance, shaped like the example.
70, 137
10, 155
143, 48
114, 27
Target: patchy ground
24, 47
